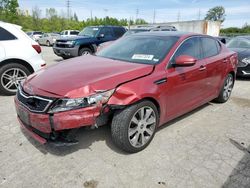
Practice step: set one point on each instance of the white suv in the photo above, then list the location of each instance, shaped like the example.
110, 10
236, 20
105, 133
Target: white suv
19, 57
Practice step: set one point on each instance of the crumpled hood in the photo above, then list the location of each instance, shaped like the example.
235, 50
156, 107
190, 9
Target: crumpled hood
83, 76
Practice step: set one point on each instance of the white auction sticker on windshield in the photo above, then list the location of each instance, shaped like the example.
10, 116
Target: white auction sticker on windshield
143, 57
95, 29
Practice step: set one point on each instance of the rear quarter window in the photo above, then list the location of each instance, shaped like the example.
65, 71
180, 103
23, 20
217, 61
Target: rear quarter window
210, 47
6, 35
74, 32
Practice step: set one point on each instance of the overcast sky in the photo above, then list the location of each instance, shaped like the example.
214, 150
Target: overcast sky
237, 11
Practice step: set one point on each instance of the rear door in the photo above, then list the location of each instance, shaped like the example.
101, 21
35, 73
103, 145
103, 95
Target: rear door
107, 32
186, 85
216, 64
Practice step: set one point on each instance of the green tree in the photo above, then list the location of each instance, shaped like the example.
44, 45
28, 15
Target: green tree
216, 14
75, 17
8, 10
36, 18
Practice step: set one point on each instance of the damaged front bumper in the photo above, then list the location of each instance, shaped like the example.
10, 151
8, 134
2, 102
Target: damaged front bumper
59, 128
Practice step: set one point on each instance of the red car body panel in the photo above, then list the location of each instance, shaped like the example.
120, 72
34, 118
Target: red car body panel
186, 87
82, 77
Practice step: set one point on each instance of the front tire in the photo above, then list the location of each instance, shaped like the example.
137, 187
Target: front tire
226, 89
84, 51
133, 128
10, 76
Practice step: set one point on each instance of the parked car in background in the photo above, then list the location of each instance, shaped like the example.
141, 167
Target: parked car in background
223, 39
19, 57
150, 28
139, 30
35, 35
87, 41
68, 33
48, 39
138, 83
241, 45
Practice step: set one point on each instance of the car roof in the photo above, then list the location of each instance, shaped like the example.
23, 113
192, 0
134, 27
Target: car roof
107, 26
245, 37
166, 33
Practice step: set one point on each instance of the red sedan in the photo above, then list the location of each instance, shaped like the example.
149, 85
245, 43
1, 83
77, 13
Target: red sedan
138, 83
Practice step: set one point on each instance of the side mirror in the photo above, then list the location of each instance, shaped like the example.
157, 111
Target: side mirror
185, 61
101, 36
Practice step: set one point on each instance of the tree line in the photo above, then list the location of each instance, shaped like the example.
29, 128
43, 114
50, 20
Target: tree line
56, 22
53, 21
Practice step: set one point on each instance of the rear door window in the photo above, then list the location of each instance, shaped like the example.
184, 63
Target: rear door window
209, 46
6, 35
119, 32
106, 31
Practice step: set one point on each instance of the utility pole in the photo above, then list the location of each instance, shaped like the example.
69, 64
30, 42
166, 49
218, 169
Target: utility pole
68, 8
91, 17
154, 16
106, 14
178, 16
136, 14
199, 14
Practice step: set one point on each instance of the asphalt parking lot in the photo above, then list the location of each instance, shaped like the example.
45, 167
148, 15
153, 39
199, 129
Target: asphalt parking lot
209, 147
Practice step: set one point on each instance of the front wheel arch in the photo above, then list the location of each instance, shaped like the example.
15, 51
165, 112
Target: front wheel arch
22, 62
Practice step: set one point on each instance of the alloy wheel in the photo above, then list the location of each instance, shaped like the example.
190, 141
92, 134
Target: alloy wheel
142, 126
228, 87
11, 78
85, 53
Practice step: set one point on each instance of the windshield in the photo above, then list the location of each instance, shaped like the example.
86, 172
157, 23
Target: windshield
37, 33
139, 49
239, 43
89, 31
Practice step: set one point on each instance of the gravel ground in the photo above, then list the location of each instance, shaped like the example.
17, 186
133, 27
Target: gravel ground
209, 147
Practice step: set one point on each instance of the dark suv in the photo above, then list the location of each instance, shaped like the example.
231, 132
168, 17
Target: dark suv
87, 41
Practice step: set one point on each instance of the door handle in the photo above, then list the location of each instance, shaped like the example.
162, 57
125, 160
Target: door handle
202, 68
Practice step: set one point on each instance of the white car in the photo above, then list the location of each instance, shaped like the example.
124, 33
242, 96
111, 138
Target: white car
35, 35
68, 33
20, 56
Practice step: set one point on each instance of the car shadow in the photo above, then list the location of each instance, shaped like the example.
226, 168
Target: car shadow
171, 122
240, 176
87, 137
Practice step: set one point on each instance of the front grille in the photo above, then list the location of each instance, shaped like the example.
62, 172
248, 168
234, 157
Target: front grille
33, 103
61, 44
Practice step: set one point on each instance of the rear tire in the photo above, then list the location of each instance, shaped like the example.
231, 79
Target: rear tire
133, 128
48, 44
84, 51
10, 75
226, 89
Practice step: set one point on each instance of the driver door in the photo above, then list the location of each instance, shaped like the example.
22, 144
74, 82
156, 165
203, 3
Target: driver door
186, 85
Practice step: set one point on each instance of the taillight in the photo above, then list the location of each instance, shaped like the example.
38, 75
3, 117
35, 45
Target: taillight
37, 48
